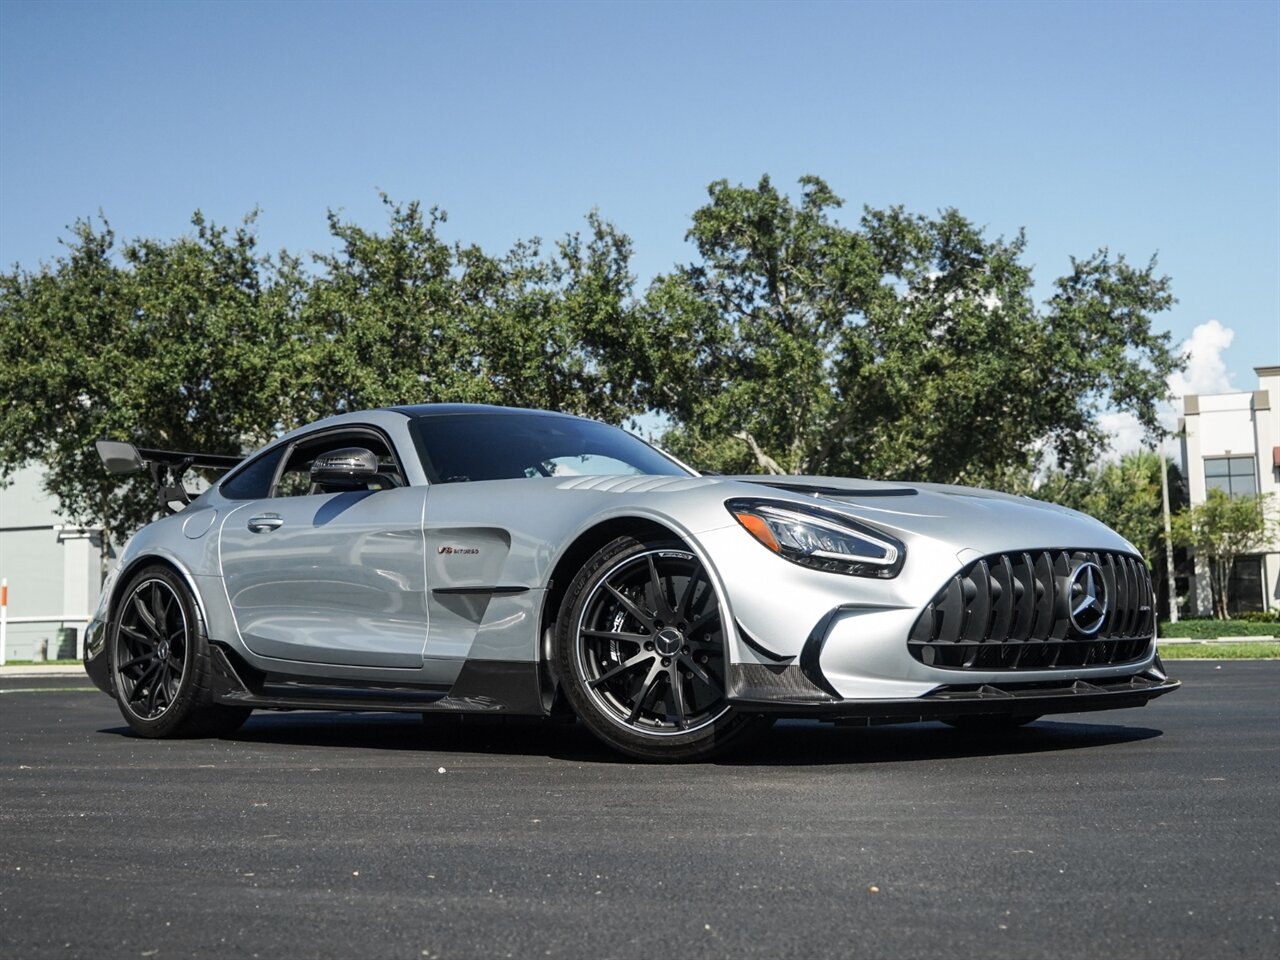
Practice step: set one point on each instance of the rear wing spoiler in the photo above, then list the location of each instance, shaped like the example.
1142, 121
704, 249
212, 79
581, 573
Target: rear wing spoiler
167, 467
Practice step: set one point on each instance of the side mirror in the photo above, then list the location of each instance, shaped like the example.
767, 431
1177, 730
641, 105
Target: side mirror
349, 467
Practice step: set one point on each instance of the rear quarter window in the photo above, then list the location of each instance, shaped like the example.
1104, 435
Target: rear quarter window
253, 481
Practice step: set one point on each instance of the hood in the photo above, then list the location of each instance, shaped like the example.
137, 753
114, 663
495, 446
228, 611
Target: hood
968, 517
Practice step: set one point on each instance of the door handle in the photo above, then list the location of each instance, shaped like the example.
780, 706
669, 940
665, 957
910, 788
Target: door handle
265, 523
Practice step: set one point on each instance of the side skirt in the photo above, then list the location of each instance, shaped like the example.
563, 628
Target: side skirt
482, 686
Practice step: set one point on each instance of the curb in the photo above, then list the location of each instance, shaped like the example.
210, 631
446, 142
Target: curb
1173, 641
30, 671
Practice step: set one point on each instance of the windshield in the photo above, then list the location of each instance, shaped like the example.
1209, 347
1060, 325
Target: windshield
509, 446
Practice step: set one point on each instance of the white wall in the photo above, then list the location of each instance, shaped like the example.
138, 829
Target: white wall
52, 573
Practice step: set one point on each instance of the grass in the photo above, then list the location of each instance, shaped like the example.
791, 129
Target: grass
1220, 651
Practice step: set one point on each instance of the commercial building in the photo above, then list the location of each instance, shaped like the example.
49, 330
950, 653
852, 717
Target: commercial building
54, 571
1231, 442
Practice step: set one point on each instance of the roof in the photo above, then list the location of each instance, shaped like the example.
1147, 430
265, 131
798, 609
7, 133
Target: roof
417, 410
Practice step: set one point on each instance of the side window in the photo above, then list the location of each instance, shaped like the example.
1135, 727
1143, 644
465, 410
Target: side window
253, 481
295, 480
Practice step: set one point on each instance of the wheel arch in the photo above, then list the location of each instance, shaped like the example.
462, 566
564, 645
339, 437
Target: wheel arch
566, 567
579, 552
161, 560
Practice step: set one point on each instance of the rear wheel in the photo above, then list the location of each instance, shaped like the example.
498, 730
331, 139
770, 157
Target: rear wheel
640, 651
159, 660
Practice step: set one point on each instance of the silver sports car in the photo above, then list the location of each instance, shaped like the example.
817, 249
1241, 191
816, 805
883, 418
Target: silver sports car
503, 561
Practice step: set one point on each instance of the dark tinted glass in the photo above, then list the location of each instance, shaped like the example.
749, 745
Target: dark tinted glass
485, 446
1234, 476
253, 481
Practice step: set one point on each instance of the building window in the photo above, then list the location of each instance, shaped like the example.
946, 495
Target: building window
1245, 589
1234, 476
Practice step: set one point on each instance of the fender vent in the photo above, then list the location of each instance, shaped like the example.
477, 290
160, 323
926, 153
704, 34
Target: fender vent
1011, 611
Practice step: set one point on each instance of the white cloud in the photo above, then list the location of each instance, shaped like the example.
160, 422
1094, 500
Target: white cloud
1124, 431
1206, 372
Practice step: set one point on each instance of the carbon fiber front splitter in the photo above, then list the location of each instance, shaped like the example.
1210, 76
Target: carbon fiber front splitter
1011, 699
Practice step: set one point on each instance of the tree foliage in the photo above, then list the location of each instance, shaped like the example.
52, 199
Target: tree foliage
908, 347
1223, 529
187, 345
202, 343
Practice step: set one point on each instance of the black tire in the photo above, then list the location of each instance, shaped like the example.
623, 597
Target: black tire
640, 652
158, 657
989, 723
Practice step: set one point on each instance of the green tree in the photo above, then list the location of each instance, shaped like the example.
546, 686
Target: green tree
1223, 529
907, 348
202, 343
188, 344
405, 317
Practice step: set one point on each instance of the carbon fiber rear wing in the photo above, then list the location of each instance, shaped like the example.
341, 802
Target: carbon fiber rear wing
167, 467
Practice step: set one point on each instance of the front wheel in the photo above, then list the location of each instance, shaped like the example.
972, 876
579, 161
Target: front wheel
159, 660
640, 649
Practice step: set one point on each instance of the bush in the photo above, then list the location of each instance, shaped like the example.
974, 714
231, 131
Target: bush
1261, 616
1212, 629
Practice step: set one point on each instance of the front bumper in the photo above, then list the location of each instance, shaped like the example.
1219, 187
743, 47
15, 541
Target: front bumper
785, 691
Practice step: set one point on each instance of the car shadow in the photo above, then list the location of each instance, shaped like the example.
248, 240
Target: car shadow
806, 743
788, 743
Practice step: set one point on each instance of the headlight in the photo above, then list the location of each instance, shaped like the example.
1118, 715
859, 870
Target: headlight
820, 539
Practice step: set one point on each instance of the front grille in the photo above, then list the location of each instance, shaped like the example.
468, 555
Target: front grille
1010, 612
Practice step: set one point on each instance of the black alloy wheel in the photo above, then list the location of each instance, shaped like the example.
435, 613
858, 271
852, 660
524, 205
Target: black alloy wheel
641, 645
159, 660
152, 647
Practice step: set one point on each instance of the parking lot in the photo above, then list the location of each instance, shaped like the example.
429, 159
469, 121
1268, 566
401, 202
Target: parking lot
1129, 834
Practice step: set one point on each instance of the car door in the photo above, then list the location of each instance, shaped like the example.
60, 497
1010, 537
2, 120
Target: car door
330, 577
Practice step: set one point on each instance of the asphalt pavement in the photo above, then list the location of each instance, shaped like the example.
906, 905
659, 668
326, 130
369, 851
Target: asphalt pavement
1136, 833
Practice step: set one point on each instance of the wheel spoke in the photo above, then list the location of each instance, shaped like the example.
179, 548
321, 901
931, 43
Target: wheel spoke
135, 635
140, 685
684, 607
159, 608
167, 684
695, 669
627, 665
629, 606
136, 660
145, 616
661, 603
155, 688
616, 635
676, 682
646, 691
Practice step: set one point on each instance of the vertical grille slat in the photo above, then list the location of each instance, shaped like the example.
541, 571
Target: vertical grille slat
1109, 578
1010, 612
1002, 587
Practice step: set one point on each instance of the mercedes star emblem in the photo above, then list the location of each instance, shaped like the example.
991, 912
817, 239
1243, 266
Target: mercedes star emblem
1087, 599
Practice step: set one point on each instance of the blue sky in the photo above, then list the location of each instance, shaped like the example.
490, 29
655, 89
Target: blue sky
1146, 127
